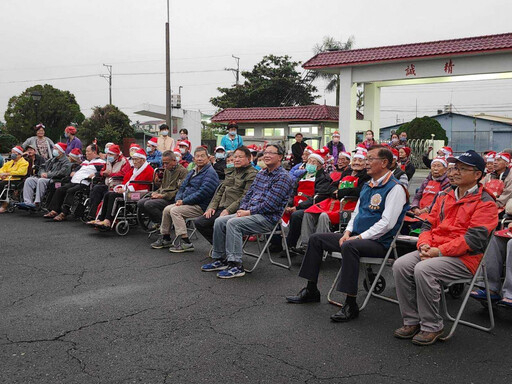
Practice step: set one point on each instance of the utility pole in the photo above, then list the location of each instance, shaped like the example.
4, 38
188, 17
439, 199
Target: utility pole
168, 107
235, 71
109, 80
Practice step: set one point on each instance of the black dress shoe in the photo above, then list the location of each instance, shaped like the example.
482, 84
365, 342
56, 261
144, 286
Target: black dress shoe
274, 248
298, 251
346, 313
304, 296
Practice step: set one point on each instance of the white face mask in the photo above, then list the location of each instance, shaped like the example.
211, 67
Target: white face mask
183, 136
220, 155
183, 150
164, 133
149, 149
232, 133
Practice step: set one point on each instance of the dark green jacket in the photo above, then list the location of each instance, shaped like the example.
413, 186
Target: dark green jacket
171, 182
232, 190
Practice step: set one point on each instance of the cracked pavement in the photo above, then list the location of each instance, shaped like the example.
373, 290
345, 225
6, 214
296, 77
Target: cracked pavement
78, 306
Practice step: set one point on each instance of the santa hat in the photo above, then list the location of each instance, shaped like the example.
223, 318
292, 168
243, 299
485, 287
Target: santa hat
76, 153
320, 154
71, 130
504, 156
114, 149
489, 156
18, 149
395, 153
440, 159
361, 147
61, 147
220, 147
251, 147
108, 144
345, 154
141, 154
184, 143
134, 145
309, 148
153, 141
407, 151
336, 133
448, 151
360, 154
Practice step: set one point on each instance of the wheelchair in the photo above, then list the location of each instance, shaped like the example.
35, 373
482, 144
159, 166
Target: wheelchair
12, 193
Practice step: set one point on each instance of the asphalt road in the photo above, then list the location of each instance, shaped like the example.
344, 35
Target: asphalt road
78, 306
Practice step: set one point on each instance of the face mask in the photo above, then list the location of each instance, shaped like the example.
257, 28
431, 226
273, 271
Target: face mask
230, 165
66, 135
310, 168
164, 133
183, 137
183, 150
335, 139
394, 140
232, 133
403, 139
261, 164
111, 159
55, 153
14, 156
368, 137
149, 149
220, 156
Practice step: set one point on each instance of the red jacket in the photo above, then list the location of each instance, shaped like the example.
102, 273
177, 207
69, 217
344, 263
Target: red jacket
461, 228
145, 175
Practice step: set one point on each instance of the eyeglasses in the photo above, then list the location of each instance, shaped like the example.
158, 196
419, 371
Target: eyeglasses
457, 169
371, 159
269, 153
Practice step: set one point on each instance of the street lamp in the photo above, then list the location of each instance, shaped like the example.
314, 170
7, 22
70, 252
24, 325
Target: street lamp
36, 96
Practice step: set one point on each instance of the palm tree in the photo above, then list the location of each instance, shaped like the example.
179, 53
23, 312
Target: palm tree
329, 43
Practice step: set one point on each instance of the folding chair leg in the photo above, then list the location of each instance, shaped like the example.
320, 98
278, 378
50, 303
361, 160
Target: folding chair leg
285, 246
333, 286
457, 319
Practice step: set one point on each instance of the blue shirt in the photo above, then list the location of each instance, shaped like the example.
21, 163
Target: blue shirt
268, 194
230, 144
155, 158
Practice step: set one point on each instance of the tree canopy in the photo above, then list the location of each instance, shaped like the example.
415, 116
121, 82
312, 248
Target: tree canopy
423, 128
56, 110
271, 82
106, 124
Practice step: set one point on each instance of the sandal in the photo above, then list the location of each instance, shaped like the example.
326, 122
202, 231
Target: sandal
480, 294
93, 222
51, 215
60, 217
506, 303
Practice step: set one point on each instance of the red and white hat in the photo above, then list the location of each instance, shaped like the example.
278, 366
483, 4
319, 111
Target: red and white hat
448, 151
134, 145
345, 154
309, 148
153, 141
489, 156
360, 154
440, 159
336, 133
61, 147
76, 153
395, 153
504, 156
18, 149
141, 154
114, 149
183, 143
361, 147
177, 152
320, 154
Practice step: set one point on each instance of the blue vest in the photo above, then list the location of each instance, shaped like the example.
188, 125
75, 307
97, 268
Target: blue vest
372, 202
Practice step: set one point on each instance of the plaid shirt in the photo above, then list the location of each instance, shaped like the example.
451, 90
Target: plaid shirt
268, 194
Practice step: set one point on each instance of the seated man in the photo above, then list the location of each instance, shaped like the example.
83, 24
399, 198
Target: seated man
192, 198
227, 199
174, 174
141, 171
63, 197
12, 170
299, 170
343, 164
314, 187
153, 154
501, 177
399, 174
35, 161
116, 167
450, 247
186, 157
260, 210
436, 181
57, 167
370, 231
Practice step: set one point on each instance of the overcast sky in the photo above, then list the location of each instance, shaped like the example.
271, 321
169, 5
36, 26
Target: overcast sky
47, 39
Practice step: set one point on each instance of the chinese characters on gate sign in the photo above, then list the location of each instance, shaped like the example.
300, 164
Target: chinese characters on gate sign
448, 66
410, 70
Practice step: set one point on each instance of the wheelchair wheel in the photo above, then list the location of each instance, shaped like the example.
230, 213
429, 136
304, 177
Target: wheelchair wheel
11, 208
456, 290
379, 288
122, 228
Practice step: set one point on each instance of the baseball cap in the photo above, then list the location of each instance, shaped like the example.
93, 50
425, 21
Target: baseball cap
471, 158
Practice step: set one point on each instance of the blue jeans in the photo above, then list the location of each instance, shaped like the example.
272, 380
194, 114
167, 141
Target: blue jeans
229, 230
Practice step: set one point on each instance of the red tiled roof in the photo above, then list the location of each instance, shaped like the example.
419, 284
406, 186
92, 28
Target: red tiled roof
465, 46
267, 114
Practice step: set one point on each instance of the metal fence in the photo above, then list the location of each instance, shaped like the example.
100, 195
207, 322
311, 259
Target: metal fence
418, 148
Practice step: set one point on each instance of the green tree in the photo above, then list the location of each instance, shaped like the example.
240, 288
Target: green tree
7, 142
329, 43
106, 124
272, 81
56, 110
423, 128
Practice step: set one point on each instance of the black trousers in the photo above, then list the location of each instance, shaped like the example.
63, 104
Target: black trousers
295, 227
351, 252
153, 208
108, 205
63, 197
97, 193
205, 226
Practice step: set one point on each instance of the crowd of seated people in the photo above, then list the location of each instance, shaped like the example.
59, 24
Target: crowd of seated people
238, 192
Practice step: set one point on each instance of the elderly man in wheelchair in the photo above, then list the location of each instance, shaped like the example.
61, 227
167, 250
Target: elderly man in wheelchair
12, 174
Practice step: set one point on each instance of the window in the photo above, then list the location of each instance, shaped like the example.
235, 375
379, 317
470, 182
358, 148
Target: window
273, 132
249, 132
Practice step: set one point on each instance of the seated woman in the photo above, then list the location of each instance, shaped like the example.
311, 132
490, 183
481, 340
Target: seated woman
141, 171
12, 170
404, 162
